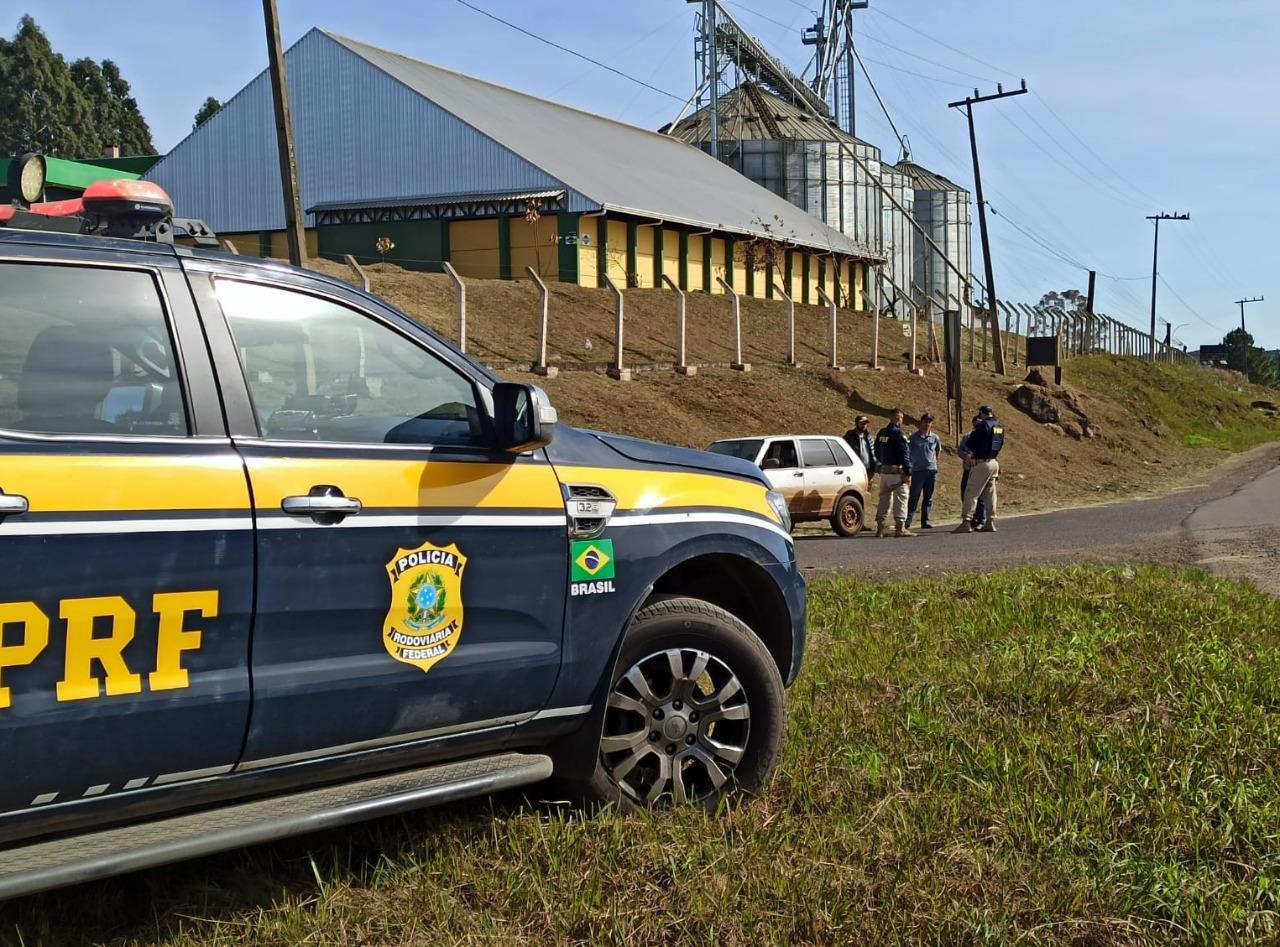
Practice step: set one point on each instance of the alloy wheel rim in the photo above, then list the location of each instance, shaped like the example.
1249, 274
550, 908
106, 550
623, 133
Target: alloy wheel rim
676, 727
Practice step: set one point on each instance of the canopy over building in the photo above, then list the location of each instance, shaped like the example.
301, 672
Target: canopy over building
452, 168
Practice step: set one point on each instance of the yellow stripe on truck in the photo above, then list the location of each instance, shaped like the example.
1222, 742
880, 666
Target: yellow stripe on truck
647, 490
59, 483
407, 483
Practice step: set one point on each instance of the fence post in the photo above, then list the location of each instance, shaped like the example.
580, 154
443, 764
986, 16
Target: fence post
934, 355
616, 370
831, 308
682, 366
462, 304
875, 329
737, 364
360, 273
791, 323
540, 367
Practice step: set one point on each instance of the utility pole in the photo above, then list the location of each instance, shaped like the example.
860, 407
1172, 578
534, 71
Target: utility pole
1155, 273
1242, 303
294, 222
968, 104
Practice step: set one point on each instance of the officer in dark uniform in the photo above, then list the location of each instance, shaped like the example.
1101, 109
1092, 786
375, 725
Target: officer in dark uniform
894, 460
984, 443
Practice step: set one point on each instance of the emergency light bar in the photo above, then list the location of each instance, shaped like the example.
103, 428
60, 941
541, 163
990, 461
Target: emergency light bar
135, 209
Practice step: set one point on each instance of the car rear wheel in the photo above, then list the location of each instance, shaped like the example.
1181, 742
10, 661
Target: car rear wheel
846, 518
696, 710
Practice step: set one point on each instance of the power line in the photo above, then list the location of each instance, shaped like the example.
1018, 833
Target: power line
1088, 170
982, 62
571, 52
883, 107
867, 34
1187, 306
1031, 236
618, 52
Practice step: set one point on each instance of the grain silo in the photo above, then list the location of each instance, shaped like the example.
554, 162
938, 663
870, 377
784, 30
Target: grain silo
941, 211
898, 238
796, 155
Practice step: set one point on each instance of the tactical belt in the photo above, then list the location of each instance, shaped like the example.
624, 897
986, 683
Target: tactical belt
892, 469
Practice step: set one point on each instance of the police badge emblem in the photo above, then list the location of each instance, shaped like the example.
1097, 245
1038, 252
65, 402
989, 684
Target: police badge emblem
424, 622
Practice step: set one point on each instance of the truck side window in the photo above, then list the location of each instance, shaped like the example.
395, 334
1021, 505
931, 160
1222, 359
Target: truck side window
86, 350
320, 371
784, 452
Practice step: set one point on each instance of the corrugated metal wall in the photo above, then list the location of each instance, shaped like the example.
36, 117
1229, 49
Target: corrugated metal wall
360, 135
899, 234
944, 216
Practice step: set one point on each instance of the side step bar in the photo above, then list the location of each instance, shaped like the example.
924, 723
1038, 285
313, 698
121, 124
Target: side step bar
79, 858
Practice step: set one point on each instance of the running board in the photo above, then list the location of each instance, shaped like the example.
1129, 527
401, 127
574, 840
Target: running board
79, 858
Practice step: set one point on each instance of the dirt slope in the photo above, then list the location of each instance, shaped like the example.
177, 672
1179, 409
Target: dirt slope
1154, 422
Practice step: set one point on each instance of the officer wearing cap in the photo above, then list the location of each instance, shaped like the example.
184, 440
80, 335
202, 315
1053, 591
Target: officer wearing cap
894, 458
984, 443
863, 444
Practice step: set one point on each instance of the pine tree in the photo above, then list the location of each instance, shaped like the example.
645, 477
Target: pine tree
128, 128
40, 107
210, 108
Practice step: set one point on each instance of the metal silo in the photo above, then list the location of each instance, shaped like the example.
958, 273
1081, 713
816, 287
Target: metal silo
797, 156
899, 236
942, 211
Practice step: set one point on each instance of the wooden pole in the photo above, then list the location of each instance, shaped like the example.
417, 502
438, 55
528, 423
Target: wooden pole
294, 221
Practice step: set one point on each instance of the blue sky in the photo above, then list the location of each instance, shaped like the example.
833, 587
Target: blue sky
1175, 100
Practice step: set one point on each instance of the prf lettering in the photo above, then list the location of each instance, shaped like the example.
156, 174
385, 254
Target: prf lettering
97, 631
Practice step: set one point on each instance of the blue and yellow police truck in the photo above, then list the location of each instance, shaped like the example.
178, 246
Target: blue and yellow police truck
276, 557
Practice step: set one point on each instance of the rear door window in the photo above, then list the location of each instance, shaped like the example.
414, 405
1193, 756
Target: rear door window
86, 350
817, 453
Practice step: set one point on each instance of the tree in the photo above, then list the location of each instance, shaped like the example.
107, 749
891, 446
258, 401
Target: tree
40, 107
210, 108
69, 110
1255, 363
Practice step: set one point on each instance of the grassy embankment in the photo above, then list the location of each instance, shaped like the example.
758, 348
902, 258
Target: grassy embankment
1157, 423
1075, 756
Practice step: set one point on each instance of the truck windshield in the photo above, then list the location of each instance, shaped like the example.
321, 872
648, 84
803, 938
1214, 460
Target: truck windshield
747, 450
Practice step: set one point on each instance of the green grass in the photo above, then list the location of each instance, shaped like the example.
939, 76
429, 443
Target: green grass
1193, 406
1080, 756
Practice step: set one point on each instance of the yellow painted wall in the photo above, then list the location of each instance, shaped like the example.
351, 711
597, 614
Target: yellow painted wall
473, 248
617, 254
696, 261
248, 244
857, 273
671, 255
588, 258
718, 268
644, 257
796, 289
534, 245
760, 281
813, 280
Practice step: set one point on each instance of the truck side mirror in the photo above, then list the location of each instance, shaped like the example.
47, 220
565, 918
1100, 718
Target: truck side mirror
523, 418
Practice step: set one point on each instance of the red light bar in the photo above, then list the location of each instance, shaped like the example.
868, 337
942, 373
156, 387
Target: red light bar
145, 192
58, 208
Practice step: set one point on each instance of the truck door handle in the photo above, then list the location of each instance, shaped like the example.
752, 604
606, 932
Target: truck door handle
798, 473
839, 473
12, 505
325, 504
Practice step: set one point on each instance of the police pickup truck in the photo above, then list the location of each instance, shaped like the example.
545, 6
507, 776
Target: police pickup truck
277, 558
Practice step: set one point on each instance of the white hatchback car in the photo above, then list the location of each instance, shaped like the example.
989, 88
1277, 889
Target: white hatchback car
817, 473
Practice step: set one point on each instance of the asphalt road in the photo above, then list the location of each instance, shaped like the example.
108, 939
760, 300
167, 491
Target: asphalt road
1227, 519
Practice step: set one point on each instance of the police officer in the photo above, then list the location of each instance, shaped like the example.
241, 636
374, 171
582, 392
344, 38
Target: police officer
985, 442
863, 444
894, 460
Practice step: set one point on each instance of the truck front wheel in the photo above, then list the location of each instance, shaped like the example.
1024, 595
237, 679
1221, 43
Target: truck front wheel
696, 710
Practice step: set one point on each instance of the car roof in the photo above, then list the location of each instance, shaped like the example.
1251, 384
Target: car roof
772, 437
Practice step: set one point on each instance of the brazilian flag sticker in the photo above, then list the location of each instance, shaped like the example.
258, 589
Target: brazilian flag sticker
592, 560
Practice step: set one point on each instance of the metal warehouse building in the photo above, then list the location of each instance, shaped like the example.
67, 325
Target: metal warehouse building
449, 167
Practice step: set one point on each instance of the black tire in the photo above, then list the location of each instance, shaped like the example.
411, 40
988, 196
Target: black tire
847, 518
690, 628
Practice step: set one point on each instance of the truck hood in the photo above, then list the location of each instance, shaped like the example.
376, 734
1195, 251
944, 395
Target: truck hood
650, 452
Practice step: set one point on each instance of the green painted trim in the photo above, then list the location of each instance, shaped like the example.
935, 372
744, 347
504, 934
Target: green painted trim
446, 249
787, 262
567, 226
633, 260
866, 285
683, 281
750, 266
504, 248
769, 277
264, 243
730, 248
708, 264
658, 250
602, 250
804, 276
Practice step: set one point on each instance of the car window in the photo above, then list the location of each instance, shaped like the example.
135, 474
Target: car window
321, 371
784, 452
745, 449
817, 453
86, 350
841, 450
